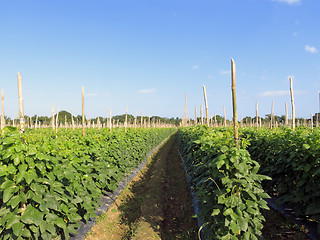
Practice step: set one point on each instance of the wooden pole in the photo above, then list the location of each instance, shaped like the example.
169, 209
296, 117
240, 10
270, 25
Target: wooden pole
141, 121
317, 120
201, 113
286, 114
271, 117
135, 120
195, 116
72, 121
83, 123
311, 122
110, 121
21, 113
215, 120
224, 116
292, 104
36, 124
57, 122
257, 116
126, 120
185, 111
2, 113
234, 103
206, 105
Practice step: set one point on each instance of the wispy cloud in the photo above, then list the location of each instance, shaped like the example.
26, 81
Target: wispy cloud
225, 72
150, 90
92, 94
195, 66
280, 93
310, 49
290, 2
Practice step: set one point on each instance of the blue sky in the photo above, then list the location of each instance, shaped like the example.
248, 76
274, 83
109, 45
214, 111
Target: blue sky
147, 53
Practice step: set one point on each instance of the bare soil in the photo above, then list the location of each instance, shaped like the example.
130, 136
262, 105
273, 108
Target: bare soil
156, 205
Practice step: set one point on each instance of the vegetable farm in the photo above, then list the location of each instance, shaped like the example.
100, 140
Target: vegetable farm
51, 179
49, 184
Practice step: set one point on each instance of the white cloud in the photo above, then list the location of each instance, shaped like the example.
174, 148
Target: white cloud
290, 2
281, 93
225, 72
92, 94
195, 66
310, 49
150, 90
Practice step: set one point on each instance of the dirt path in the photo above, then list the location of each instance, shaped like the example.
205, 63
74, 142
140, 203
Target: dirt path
156, 205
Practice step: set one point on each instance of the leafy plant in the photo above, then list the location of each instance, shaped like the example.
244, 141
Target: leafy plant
226, 182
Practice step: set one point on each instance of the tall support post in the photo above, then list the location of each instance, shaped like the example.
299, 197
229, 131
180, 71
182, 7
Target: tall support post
141, 121
292, 104
286, 114
311, 122
257, 116
126, 120
271, 117
83, 123
185, 111
224, 117
234, 103
135, 121
206, 105
3, 121
201, 113
21, 113
110, 120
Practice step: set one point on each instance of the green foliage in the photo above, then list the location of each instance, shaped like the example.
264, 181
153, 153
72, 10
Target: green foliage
226, 182
292, 159
60, 180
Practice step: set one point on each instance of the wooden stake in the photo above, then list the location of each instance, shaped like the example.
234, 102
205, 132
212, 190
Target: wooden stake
224, 114
201, 113
292, 104
206, 105
271, 117
72, 121
257, 116
36, 124
52, 119
21, 113
2, 113
185, 111
57, 122
234, 103
195, 117
141, 121
110, 123
83, 123
135, 120
286, 114
311, 122
126, 120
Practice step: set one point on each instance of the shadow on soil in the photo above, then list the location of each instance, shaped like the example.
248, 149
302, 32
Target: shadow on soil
161, 198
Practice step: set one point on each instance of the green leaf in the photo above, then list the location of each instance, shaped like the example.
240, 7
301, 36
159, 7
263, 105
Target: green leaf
7, 184
7, 194
26, 233
32, 216
17, 228
243, 223
30, 176
235, 228
215, 212
15, 200
12, 220
60, 223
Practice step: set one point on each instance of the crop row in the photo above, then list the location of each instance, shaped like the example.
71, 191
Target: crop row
225, 181
292, 159
48, 184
